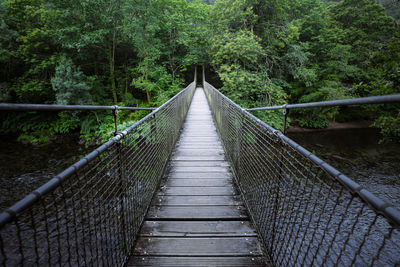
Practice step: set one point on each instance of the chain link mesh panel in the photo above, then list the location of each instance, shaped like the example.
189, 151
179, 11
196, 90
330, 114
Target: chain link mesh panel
90, 214
306, 213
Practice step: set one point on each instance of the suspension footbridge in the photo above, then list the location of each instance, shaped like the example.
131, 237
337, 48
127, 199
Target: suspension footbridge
200, 182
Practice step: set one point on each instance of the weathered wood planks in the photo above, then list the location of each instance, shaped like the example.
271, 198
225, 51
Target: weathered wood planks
197, 217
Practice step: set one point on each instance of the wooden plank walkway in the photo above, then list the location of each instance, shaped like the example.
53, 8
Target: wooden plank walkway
197, 218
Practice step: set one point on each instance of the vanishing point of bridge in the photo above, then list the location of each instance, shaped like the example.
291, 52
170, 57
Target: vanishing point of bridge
224, 189
197, 218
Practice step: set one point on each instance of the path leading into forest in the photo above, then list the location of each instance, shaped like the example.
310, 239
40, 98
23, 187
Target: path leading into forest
197, 218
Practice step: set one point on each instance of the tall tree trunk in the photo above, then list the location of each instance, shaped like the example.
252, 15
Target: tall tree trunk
126, 73
148, 97
148, 94
146, 77
112, 69
112, 78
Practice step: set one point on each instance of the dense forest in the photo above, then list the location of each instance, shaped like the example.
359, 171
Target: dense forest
142, 52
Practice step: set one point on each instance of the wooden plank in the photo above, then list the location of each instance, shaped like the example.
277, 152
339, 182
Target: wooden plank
198, 116
196, 261
200, 130
197, 213
161, 200
200, 138
197, 229
206, 129
197, 219
195, 125
196, 134
190, 126
206, 158
198, 164
197, 146
201, 121
235, 246
200, 169
198, 175
198, 191
198, 141
199, 182
203, 118
198, 152
209, 127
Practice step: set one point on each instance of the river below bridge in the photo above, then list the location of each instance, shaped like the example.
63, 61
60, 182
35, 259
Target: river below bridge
24, 167
355, 152
358, 154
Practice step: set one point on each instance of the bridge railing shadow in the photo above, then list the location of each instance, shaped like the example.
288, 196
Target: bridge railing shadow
90, 214
306, 212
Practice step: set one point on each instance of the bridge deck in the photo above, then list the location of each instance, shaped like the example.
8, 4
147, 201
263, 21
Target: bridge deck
197, 218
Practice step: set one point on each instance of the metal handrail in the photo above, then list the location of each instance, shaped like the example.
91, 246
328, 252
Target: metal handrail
386, 209
278, 177
118, 171
49, 107
384, 99
33, 197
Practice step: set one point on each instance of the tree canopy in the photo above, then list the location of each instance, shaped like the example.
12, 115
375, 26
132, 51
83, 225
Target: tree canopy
141, 52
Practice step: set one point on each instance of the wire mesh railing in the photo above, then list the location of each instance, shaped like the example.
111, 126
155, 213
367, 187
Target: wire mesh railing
306, 212
90, 214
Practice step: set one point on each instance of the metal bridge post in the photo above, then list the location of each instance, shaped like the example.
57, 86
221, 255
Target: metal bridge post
195, 75
153, 130
115, 113
239, 143
285, 116
204, 76
124, 245
276, 191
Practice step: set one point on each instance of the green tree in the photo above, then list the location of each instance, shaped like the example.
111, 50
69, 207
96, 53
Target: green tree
70, 85
365, 27
385, 70
239, 58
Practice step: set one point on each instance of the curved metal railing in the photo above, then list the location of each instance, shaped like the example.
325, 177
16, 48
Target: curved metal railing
305, 211
90, 214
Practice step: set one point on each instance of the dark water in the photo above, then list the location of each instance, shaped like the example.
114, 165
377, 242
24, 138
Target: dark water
358, 154
25, 167
354, 152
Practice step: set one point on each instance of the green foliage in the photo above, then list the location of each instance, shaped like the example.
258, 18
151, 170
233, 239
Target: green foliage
38, 127
319, 117
390, 126
239, 59
392, 7
233, 15
103, 131
239, 48
384, 67
70, 85
140, 53
295, 60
